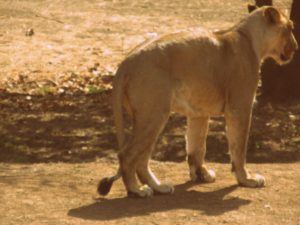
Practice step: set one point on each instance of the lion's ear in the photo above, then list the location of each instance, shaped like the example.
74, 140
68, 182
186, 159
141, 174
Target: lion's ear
272, 15
251, 8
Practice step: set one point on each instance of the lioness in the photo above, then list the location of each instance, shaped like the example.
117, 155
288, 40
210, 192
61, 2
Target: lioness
199, 74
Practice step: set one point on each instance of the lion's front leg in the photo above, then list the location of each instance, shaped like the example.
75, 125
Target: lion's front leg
238, 124
196, 149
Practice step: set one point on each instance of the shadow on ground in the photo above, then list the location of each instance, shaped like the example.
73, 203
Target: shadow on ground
79, 128
182, 199
75, 128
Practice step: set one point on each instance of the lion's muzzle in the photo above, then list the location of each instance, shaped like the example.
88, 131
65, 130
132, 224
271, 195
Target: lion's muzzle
289, 50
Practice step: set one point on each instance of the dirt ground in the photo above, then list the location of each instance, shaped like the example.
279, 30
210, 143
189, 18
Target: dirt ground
57, 138
60, 193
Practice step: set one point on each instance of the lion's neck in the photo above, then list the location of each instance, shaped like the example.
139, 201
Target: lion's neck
255, 35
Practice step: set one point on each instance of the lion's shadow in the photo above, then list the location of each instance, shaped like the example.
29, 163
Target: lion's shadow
208, 203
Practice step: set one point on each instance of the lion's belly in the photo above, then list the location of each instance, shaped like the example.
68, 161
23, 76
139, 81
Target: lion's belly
203, 101
184, 107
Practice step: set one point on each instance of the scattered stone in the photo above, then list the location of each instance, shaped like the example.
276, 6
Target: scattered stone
29, 32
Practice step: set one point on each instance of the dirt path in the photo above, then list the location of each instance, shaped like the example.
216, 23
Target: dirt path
65, 194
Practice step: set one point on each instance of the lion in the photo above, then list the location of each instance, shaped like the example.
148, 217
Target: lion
198, 73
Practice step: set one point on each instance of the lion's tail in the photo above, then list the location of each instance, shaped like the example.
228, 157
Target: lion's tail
117, 100
106, 183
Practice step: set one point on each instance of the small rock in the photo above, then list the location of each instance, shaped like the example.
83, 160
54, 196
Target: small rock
267, 206
29, 32
151, 34
292, 117
61, 91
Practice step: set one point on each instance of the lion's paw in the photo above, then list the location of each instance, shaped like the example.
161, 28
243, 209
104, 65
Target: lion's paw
143, 192
210, 176
164, 189
256, 182
204, 175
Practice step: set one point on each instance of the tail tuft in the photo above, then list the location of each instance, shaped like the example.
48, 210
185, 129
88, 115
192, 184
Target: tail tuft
105, 185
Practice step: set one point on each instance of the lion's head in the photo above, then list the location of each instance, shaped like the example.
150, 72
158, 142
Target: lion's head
281, 44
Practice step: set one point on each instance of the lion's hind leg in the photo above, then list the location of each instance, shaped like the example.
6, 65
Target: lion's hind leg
146, 176
149, 118
151, 125
128, 163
